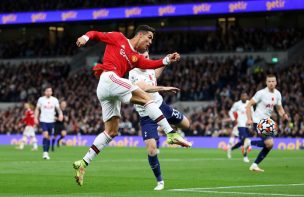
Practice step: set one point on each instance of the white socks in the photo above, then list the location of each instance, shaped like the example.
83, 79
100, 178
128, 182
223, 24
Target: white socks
155, 114
99, 143
231, 141
34, 142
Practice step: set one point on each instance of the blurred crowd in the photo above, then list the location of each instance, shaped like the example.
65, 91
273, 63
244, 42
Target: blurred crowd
212, 79
237, 39
38, 46
43, 5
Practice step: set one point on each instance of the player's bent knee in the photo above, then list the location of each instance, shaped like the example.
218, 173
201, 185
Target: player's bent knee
112, 133
269, 143
185, 123
45, 134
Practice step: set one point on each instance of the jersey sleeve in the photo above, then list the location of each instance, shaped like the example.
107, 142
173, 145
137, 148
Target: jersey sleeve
144, 63
232, 110
106, 37
39, 103
257, 97
279, 101
56, 103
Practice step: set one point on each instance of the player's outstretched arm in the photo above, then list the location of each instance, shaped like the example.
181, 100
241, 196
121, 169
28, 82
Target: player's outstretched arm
106, 37
144, 63
150, 88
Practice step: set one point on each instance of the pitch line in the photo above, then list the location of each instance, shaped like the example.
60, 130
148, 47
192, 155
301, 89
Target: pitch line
242, 193
210, 190
240, 186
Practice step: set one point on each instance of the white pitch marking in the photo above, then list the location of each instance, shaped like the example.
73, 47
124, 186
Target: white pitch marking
240, 186
243, 193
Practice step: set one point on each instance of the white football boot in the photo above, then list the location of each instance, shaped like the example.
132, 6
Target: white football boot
160, 186
255, 168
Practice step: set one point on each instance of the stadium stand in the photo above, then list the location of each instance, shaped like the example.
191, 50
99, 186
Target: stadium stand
220, 80
237, 40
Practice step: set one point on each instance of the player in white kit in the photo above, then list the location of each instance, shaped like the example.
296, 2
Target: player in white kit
146, 79
265, 100
239, 108
47, 105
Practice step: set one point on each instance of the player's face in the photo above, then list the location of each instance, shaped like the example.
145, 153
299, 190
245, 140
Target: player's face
26, 106
271, 82
48, 92
63, 105
145, 40
244, 97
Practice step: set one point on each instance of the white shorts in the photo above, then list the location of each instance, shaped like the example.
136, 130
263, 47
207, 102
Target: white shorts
29, 131
113, 90
235, 131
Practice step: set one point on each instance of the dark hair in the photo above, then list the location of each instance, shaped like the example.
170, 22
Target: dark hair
47, 87
270, 76
144, 28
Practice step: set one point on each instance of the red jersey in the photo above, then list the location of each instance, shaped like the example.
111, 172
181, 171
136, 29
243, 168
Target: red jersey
119, 56
29, 118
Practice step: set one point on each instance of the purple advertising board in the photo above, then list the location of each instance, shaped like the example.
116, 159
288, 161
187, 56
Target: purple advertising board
136, 141
192, 9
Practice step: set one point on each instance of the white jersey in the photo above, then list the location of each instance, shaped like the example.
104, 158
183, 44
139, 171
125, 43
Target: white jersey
148, 76
48, 108
265, 102
240, 108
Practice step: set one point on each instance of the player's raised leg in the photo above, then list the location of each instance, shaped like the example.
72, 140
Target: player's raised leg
142, 98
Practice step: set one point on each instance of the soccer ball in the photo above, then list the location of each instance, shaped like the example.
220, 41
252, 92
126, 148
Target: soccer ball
267, 127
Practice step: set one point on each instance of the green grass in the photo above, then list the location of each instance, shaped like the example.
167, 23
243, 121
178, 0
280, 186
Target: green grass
125, 172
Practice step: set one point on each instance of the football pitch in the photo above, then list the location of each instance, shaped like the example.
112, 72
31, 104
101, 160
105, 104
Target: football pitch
125, 172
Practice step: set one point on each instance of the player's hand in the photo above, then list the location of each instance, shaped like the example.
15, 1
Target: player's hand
36, 121
81, 42
249, 122
170, 89
60, 117
174, 57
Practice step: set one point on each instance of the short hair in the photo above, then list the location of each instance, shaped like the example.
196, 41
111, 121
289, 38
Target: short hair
47, 87
270, 76
144, 28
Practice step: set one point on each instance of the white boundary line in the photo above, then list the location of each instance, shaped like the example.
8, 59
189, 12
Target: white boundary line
240, 186
244, 193
210, 190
